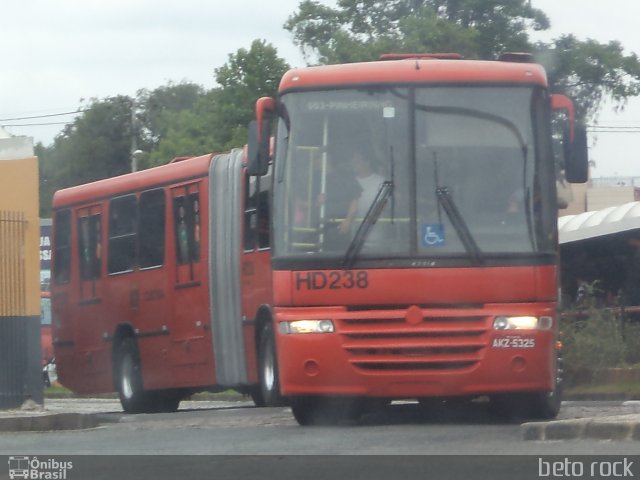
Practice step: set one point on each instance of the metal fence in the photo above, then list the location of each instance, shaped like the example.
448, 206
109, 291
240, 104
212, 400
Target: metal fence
20, 369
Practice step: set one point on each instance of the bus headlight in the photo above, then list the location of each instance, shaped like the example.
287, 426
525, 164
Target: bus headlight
522, 323
307, 326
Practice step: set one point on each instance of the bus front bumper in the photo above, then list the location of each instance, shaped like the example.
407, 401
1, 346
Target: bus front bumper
413, 355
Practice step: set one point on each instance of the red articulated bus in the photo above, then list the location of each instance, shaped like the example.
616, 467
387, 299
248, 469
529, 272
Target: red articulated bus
415, 242
161, 284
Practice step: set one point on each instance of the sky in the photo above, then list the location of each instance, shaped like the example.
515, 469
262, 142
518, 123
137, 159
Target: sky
57, 53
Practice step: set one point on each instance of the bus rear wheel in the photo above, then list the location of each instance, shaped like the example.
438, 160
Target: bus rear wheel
129, 378
268, 392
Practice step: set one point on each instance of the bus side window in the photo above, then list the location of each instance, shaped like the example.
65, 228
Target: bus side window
62, 245
186, 212
151, 239
264, 238
252, 185
256, 215
122, 234
194, 206
89, 246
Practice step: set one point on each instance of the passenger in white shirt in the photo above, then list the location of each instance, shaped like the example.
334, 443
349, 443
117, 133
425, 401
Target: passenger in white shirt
369, 182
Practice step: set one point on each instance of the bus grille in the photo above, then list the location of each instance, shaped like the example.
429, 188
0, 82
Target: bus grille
439, 341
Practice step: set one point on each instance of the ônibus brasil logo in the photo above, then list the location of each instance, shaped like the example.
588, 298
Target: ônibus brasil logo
32, 468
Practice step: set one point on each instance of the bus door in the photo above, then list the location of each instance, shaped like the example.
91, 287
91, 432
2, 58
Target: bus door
256, 260
151, 281
255, 264
89, 248
189, 306
90, 324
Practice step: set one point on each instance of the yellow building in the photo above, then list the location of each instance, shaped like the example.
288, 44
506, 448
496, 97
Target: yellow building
20, 358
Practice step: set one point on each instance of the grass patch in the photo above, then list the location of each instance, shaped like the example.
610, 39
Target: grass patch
227, 395
628, 390
596, 342
58, 391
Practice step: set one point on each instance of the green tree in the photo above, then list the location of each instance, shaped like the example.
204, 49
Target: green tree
590, 71
360, 30
46, 179
474, 28
502, 25
172, 120
170, 124
217, 120
188, 132
157, 107
95, 146
247, 75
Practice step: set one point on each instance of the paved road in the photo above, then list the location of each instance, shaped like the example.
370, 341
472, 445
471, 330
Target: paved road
227, 428
570, 409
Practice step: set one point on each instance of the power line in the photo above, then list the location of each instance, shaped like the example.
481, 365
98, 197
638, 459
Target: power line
616, 127
33, 124
591, 128
612, 130
42, 116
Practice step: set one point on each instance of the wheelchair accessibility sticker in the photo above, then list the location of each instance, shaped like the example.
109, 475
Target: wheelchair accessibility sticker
432, 235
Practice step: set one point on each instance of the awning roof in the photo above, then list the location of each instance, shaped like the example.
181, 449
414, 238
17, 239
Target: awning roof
622, 218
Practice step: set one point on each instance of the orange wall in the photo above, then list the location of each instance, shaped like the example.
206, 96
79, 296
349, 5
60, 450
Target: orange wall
19, 194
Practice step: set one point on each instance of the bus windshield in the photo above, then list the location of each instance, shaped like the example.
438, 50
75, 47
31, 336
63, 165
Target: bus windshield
466, 176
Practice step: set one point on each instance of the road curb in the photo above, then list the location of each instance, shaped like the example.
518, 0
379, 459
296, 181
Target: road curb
617, 428
48, 422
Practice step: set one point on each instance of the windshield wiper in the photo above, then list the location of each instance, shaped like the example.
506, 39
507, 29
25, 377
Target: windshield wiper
369, 220
460, 226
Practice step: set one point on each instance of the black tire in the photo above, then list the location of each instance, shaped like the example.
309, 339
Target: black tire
512, 407
546, 405
310, 411
431, 408
268, 392
534, 405
163, 401
133, 398
303, 410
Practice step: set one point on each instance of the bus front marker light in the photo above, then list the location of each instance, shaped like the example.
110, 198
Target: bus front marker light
307, 326
500, 323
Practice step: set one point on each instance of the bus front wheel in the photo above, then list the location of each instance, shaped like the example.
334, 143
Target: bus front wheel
163, 401
533, 405
546, 405
132, 395
316, 410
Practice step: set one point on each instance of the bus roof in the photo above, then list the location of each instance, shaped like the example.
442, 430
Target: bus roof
173, 172
414, 70
598, 223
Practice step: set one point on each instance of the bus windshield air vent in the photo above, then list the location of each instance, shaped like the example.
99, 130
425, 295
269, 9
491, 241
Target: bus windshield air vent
420, 56
516, 57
